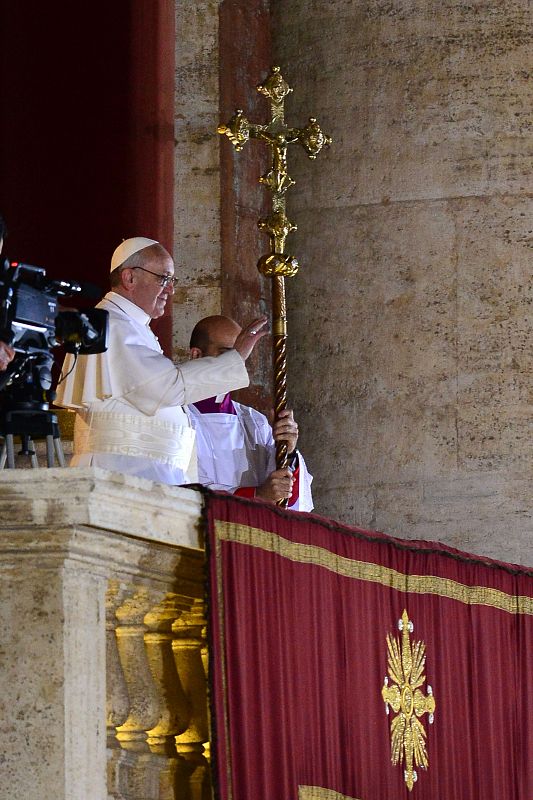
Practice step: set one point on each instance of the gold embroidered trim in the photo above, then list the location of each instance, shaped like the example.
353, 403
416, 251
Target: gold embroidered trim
375, 573
318, 793
220, 597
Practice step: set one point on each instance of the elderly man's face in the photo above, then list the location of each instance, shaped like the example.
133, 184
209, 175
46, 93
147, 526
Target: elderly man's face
146, 291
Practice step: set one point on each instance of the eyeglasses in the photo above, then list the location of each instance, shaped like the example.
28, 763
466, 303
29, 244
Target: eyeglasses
164, 280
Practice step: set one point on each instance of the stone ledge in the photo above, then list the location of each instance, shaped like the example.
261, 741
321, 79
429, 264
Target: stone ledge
97, 498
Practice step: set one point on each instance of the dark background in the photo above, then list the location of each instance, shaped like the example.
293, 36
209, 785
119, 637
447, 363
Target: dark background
86, 133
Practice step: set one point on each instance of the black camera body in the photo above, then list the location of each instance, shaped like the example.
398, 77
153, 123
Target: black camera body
30, 319
32, 324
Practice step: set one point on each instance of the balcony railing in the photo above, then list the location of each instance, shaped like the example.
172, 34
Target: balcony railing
104, 657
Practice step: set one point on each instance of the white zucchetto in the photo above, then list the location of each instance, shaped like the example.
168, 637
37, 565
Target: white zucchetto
127, 248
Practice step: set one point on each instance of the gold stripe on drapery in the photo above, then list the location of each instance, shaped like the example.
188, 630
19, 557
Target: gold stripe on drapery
375, 573
319, 793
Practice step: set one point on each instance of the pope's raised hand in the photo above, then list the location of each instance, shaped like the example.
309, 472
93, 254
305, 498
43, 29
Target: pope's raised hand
249, 336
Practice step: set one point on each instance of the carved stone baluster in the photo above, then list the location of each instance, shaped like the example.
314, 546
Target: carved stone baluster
187, 647
117, 700
141, 781
193, 772
144, 701
192, 778
175, 708
205, 662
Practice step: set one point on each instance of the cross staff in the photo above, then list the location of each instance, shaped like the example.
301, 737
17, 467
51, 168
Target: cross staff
277, 264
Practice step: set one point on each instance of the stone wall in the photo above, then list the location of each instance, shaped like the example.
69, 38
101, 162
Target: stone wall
410, 321
222, 52
197, 169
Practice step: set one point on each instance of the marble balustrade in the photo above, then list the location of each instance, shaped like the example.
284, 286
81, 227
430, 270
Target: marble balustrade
103, 653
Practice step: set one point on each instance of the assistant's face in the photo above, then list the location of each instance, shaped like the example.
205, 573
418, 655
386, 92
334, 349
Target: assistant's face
147, 292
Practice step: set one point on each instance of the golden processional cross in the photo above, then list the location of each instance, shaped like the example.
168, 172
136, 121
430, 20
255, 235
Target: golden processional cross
277, 264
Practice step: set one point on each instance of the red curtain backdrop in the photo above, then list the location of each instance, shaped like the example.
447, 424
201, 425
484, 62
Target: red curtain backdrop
87, 134
303, 626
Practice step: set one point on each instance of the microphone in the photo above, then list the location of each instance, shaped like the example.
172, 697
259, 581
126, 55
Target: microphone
82, 288
90, 290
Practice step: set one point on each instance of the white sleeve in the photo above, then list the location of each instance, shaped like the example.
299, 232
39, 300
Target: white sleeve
189, 382
261, 431
145, 378
305, 498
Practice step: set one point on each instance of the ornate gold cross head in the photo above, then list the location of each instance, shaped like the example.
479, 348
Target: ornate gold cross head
278, 136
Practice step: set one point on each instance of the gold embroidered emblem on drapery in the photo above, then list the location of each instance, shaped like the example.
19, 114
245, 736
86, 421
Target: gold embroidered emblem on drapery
406, 662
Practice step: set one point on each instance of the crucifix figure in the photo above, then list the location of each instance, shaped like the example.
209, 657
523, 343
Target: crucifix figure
277, 263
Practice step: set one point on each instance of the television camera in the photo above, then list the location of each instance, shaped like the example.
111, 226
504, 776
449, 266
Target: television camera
33, 324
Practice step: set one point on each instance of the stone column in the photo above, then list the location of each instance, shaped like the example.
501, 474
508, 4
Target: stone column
53, 668
65, 538
222, 52
197, 168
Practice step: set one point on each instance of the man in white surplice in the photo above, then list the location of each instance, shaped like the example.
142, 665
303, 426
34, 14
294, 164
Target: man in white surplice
236, 444
129, 400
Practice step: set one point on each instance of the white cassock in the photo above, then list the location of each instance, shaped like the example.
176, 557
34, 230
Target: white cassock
129, 400
238, 450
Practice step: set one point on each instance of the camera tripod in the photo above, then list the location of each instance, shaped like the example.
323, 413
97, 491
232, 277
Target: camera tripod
28, 425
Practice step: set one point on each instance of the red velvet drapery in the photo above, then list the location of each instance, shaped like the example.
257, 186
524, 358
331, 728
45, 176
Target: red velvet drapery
303, 624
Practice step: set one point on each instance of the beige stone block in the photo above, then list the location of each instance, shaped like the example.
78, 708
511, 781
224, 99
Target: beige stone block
197, 155
468, 512
198, 135
384, 334
197, 246
494, 333
423, 101
196, 55
197, 197
53, 679
359, 504
94, 497
192, 303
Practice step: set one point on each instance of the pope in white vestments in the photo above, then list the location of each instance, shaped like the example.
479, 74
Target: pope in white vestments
236, 444
129, 400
